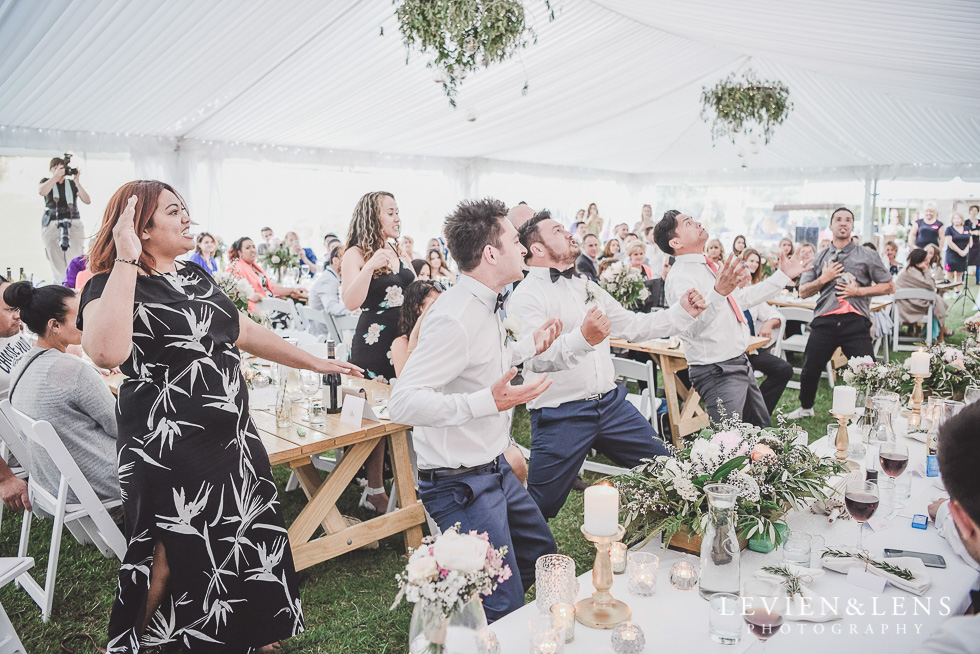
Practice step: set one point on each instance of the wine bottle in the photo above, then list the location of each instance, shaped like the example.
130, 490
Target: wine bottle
332, 388
10, 276
23, 277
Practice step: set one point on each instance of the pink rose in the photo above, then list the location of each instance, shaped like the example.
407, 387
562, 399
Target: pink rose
729, 441
761, 451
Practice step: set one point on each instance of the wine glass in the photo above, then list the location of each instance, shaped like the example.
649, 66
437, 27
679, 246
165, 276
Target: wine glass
861, 500
761, 610
894, 458
309, 385
972, 394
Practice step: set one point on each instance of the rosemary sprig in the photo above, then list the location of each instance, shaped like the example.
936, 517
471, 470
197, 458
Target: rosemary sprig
901, 573
791, 581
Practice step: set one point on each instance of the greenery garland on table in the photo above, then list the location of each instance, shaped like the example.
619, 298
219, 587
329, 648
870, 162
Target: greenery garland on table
745, 106
464, 35
951, 370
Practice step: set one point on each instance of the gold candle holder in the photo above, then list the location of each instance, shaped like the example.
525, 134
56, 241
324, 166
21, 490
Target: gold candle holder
602, 610
915, 402
843, 440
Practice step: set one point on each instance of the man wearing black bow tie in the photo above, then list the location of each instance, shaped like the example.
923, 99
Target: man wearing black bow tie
583, 409
456, 391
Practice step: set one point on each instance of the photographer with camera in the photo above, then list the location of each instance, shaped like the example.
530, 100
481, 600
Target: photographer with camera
61, 225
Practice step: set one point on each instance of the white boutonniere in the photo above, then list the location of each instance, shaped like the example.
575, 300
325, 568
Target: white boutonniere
512, 328
590, 291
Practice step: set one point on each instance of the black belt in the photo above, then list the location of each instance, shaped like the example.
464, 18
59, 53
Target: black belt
595, 397
443, 473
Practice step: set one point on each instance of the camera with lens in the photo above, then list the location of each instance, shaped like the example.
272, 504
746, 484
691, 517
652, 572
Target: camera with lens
69, 171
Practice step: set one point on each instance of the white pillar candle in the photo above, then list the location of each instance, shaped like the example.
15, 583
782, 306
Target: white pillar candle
601, 510
919, 363
845, 399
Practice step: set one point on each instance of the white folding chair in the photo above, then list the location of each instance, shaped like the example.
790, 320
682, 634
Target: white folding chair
315, 321
646, 401
342, 329
907, 343
89, 513
797, 342
10, 568
271, 305
12, 445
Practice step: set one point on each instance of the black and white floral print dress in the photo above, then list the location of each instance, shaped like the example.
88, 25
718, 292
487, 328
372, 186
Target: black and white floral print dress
377, 327
195, 477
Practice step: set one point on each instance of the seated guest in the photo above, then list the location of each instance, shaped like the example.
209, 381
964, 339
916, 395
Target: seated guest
891, 258
306, 256
50, 384
715, 251
579, 227
330, 241
959, 460
587, 264
421, 267
620, 232
203, 254
584, 409
845, 277
916, 275
935, 268
242, 255
823, 244
456, 390
636, 253
715, 345
738, 246
613, 250
13, 345
764, 320
437, 265
269, 240
75, 266
325, 292
436, 243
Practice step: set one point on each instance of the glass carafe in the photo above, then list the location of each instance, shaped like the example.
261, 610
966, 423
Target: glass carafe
720, 550
886, 405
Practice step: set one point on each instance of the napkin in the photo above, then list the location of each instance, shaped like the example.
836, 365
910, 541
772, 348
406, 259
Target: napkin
809, 607
918, 585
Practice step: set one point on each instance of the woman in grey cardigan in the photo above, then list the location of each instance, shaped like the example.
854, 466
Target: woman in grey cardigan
49, 384
916, 275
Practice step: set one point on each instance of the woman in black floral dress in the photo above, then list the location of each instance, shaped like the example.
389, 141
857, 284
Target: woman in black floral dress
208, 565
374, 281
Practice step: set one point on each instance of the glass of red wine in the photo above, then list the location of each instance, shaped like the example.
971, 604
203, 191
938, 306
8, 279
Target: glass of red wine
861, 500
761, 608
894, 458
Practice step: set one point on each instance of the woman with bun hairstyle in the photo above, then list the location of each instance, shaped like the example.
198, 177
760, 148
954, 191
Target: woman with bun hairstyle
49, 384
208, 566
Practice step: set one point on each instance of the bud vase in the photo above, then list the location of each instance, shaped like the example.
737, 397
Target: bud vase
433, 632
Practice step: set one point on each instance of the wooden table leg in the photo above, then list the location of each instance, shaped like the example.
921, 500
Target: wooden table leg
401, 465
310, 482
670, 394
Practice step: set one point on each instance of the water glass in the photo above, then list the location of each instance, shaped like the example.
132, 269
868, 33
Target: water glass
798, 547
886, 496
547, 634
380, 395
725, 619
643, 573
972, 394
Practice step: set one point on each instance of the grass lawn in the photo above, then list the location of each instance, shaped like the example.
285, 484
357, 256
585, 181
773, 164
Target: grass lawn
345, 600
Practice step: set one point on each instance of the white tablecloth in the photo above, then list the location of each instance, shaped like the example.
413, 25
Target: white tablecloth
895, 621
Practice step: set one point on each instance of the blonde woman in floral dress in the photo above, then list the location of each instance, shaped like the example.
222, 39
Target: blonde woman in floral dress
374, 281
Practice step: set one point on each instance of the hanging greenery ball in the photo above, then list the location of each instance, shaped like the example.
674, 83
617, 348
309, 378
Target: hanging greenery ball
747, 106
463, 35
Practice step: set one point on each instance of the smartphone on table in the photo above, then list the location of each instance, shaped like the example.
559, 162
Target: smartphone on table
931, 560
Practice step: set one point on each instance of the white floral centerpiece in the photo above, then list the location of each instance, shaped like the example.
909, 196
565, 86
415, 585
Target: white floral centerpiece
279, 259
773, 469
972, 324
445, 578
866, 375
625, 284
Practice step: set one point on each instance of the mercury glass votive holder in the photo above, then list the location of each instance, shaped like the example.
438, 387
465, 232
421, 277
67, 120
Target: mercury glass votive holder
643, 568
628, 638
554, 581
617, 556
683, 576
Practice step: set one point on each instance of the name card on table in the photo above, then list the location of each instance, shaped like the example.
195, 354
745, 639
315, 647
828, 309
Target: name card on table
866, 580
355, 410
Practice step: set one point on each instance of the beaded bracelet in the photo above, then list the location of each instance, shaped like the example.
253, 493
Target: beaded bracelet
135, 263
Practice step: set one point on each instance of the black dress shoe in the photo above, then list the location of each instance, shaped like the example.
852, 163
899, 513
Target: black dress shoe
579, 484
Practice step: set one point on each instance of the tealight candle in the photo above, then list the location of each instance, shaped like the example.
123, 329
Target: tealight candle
845, 399
627, 638
919, 363
567, 614
601, 510
683, 576
617, 556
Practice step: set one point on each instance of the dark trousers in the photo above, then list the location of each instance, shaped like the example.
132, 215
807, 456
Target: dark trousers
494, 502
731, 384
561, 438
778, 372
851, 332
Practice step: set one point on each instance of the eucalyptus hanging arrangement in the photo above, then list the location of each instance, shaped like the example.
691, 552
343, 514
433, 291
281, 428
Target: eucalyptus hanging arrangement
464, 35
746, 105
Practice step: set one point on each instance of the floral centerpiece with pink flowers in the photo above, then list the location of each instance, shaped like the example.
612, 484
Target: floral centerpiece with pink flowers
772, 468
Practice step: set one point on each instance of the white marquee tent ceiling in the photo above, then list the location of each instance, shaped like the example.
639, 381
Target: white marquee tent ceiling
614, 84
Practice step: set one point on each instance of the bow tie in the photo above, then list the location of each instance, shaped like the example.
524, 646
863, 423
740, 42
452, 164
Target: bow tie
501, 298
555, 274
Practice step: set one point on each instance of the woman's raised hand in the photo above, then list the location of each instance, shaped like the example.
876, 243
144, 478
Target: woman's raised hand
124, 236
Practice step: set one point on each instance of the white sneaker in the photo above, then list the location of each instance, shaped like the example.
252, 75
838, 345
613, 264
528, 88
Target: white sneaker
800, 413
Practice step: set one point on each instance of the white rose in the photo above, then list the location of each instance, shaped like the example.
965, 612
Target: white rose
460, 552
616, 267
644, 294
421, 566
512, 325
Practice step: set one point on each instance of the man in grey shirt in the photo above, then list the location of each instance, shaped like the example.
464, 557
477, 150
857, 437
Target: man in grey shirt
325, 293
846, 276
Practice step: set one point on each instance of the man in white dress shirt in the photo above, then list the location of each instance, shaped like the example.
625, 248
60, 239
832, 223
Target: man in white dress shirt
715, 345
584, 409
959, 460
455, 389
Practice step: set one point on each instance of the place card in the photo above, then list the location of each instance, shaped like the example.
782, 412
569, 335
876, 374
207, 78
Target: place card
918, 471
866, 580
355, 410
879, 523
